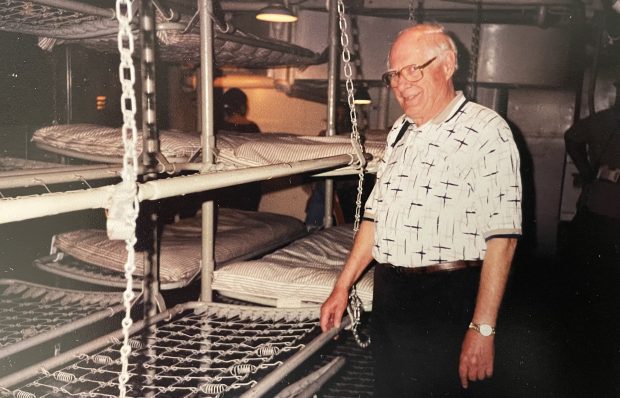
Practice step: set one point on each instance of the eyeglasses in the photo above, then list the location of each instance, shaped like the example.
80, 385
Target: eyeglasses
412, 73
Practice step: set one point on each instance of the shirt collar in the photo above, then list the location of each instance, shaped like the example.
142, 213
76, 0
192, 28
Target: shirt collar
448, 112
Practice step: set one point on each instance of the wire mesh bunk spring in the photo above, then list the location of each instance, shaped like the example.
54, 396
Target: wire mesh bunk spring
215, 350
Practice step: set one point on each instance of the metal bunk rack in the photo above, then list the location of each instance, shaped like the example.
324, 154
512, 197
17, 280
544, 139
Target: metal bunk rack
219, 324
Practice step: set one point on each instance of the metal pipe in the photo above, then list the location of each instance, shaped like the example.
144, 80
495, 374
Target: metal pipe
332, 97
29, 207
384, 107
80, 7
205, 8
48, 178
153, 190
60, 330
64, 174
523, 16
297, 359
69, 85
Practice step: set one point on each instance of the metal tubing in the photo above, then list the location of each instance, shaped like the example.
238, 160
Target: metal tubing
205, 8
64, 174
60, 330
54, 362
384, 107
80, 7
29, 207
69, 85
332, 96
297, 359
153, 190
48, 178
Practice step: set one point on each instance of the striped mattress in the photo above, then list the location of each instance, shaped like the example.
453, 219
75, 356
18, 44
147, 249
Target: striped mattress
302, 272
88, 141
238, 233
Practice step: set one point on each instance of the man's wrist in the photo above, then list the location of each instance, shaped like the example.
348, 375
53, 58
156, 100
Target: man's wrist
484, 329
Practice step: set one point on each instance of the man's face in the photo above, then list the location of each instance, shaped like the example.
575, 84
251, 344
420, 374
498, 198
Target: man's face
424, 99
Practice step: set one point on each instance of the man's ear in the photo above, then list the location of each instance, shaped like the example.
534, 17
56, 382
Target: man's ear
449, 64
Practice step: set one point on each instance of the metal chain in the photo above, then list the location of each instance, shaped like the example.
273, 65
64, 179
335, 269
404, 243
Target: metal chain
475, 51
354, 307
412, 11
128, 205
355, 313
355, 136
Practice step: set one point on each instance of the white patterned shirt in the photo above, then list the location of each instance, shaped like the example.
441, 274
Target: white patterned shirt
445, 187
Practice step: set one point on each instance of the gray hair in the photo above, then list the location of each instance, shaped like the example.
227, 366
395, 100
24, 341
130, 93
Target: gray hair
440, 39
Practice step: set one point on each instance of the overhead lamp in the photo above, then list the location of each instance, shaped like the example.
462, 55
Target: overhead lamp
275, 12
362, 97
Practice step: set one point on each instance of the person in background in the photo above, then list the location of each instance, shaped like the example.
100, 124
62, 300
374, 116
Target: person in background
245, 196
235, 113
442, 224
593, 143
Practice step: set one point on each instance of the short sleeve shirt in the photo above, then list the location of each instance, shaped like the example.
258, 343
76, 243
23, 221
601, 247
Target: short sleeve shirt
445, 187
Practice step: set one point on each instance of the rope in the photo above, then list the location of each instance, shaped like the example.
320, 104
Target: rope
125, 205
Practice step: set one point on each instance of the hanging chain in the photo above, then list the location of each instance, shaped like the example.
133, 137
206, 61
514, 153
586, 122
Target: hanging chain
412, 11
355, 136
125, 204
354, 307
475, 51
354, 310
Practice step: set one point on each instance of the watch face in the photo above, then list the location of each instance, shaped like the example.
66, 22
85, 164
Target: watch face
486, 330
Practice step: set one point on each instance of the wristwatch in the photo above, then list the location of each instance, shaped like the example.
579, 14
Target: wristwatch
482, 328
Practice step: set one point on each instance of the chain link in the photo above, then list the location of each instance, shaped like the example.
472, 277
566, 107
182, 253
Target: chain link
355, 136
472, 79
355, 306
412, 11
128, 205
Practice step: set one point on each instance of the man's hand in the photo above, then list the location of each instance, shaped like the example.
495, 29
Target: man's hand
333, 308
477, 355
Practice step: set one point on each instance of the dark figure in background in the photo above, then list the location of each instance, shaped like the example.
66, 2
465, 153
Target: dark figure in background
593, 144
246, 196
235, 113
447, 195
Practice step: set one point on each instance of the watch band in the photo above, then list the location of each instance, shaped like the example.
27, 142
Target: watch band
482, 328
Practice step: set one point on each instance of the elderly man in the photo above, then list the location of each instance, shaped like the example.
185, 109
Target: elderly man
447, 196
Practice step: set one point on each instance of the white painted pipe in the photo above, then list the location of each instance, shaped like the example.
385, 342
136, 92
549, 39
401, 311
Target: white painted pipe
29, 207
160, 189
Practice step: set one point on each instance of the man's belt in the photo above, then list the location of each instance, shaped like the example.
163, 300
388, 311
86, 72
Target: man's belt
440, 267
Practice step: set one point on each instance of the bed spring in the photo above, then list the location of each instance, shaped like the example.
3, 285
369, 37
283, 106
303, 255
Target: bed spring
31, 314
196, 350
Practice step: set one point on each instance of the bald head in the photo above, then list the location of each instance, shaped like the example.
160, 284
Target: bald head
432, 37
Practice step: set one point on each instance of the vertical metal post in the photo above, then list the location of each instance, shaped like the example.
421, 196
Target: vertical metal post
150, 150
69, 85
384, 107
332, 103
208, 143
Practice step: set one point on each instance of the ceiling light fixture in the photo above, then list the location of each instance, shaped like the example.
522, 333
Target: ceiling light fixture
276, 13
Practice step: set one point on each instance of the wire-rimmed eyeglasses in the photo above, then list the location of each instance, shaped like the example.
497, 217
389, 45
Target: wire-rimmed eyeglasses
412, 73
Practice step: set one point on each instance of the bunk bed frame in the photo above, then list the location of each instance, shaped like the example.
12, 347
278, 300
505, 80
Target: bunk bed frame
211, 325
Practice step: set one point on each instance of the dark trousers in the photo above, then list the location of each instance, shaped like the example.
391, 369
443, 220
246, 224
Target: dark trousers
418, 325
